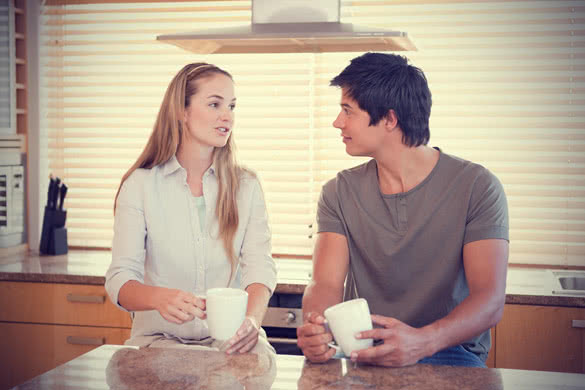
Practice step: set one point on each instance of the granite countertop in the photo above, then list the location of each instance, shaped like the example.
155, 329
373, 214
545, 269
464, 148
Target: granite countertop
119, 367
90, 266
529, 286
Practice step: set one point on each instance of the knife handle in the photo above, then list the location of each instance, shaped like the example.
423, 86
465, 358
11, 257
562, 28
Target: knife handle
50, 191
55, 194
62, 193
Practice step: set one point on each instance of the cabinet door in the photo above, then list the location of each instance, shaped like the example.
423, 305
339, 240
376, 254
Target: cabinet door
540, 338
28, 350
67, 304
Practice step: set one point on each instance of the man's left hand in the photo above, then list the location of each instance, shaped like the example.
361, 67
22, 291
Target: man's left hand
402, 345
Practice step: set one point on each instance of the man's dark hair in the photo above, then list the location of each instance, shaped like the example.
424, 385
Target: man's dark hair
381, 82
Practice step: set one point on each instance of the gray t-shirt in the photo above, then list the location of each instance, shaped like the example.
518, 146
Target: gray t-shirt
406, 249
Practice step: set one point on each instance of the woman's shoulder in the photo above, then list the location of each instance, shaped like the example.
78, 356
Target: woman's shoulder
247, 175
138, 177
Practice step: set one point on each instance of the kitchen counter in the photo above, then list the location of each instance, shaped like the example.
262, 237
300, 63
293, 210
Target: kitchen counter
89, 267
119, 367
529, 286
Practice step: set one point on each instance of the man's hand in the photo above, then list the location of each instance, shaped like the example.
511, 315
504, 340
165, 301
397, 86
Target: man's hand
178, 306
312, 338
402, 345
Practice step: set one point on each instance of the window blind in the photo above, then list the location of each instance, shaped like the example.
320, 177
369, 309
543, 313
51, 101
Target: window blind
507, 77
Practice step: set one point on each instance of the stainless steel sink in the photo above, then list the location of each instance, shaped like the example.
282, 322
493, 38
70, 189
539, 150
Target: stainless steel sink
569, 282
572, 282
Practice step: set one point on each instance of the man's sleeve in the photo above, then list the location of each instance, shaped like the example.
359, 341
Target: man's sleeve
487, 216
328, 212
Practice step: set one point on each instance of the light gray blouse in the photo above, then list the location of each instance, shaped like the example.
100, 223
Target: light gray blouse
158, 241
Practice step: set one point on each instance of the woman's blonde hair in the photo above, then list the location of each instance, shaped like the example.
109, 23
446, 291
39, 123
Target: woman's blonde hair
167, 135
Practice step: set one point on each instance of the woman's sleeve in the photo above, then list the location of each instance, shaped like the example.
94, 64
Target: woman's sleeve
256, 252
128, 246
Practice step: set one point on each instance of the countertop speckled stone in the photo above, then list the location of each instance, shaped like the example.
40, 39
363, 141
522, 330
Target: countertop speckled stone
119, 367
89, 267
528, 286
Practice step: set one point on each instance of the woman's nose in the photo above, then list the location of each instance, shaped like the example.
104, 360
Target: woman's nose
227, 115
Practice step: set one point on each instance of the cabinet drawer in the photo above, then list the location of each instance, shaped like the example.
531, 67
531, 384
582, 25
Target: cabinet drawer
28, 350
541, 338
67, 304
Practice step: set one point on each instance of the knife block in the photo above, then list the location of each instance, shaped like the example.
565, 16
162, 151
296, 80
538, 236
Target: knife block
54, 233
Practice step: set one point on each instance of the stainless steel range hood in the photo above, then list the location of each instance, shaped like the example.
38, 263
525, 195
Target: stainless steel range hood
292, 26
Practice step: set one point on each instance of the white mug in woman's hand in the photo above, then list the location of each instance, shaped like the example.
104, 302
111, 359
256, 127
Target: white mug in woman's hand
226, 311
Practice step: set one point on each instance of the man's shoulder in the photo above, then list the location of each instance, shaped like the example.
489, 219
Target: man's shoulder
354, 174
457, 164
467, 173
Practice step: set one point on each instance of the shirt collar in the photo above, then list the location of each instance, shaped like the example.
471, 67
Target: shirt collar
172, 165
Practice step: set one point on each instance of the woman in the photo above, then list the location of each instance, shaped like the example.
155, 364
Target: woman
187, 219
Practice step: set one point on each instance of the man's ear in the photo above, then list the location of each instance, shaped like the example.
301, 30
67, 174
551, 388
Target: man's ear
391, 120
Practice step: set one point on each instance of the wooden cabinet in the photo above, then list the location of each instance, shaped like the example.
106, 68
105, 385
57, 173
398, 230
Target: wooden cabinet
542, 338
44, 325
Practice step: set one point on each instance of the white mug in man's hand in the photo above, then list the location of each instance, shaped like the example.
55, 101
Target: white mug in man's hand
345, 320
226, 311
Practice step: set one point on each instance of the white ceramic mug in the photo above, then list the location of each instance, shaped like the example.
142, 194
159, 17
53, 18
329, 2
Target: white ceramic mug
345, 320
226, 311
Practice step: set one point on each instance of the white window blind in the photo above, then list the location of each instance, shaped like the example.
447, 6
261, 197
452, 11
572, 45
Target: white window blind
508, 82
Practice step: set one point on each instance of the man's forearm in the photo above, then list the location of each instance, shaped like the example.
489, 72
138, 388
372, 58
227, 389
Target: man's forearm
318, 297
476, 314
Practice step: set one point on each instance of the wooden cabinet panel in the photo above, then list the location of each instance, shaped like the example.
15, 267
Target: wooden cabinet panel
28, 350
540, 338
70, 304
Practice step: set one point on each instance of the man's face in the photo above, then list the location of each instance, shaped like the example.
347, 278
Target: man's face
359, 137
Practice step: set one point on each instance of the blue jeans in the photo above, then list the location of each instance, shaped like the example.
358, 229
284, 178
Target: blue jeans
454, 356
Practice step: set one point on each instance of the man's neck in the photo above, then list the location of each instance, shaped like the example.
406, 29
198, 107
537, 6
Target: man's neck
403, 168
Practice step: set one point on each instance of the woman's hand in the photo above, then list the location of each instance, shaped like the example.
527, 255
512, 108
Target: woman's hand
178, 306
245, 338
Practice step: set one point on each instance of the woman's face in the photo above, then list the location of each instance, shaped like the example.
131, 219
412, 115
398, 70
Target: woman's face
209, 118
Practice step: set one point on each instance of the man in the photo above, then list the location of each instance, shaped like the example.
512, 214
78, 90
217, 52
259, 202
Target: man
420, 234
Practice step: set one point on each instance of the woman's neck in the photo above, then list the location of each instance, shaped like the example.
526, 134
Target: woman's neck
196, 159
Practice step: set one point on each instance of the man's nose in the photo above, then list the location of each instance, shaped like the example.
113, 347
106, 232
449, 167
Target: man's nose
338, 123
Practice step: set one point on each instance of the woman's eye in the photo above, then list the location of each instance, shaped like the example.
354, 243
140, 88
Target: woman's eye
214, 105
232, 107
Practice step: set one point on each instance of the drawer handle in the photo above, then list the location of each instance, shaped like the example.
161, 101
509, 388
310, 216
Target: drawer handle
86, 298
86, 340
282, 340
578, 323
